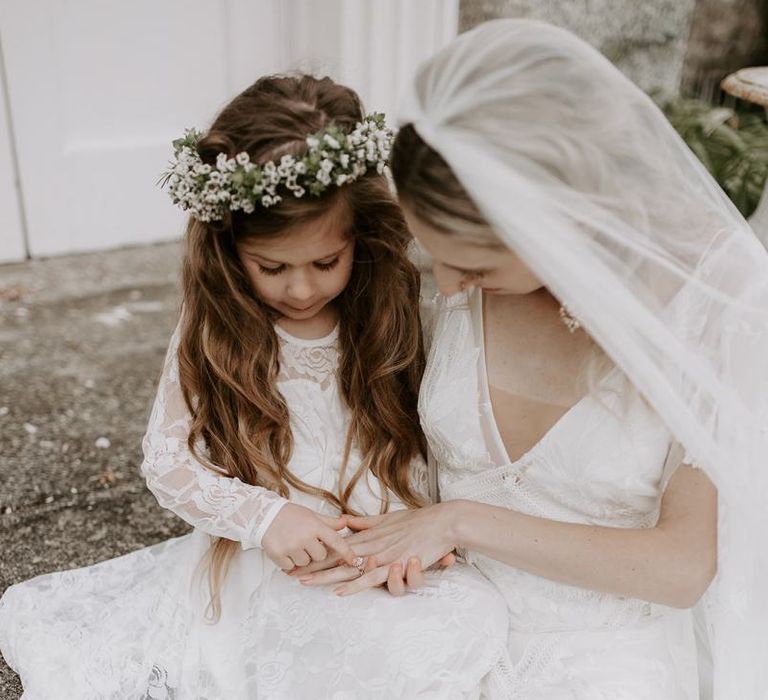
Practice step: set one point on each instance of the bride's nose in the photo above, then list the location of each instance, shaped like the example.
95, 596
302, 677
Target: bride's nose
448, 281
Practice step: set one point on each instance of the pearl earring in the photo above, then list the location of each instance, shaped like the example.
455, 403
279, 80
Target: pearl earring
571, 322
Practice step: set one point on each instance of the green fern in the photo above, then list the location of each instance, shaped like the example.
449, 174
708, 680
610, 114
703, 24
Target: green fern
732, 146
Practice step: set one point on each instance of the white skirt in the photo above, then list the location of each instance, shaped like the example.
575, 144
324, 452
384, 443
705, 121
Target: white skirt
134, 628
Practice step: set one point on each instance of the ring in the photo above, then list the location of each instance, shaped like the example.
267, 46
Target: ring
359, 564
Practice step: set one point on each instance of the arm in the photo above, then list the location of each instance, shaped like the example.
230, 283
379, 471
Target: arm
671, 563
217, 504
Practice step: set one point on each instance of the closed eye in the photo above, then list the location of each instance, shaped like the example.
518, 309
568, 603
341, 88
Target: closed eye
272, 270
467, 273
327, 265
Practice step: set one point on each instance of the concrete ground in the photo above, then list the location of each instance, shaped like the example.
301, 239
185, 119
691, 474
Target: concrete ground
82, 341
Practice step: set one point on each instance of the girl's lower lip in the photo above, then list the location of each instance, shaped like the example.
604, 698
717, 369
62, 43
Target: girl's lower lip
491, 289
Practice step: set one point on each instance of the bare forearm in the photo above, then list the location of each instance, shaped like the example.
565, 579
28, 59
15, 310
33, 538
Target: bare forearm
652, 564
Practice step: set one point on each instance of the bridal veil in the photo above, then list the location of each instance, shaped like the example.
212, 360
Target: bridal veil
582, 176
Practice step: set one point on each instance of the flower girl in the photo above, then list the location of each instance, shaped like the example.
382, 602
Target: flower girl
287, 399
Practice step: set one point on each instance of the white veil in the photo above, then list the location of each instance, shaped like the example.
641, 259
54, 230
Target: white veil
583, 177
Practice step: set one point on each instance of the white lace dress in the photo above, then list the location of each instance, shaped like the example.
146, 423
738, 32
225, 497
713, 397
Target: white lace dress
599, 464
133, 627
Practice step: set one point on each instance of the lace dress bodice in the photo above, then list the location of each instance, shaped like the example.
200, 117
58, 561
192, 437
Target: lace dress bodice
601, 463
227, 507
605, 462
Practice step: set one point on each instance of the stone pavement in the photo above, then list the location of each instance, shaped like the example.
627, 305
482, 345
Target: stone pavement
82, 341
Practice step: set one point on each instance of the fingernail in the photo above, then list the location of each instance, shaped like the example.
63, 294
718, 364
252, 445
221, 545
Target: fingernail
304, 579
341, 591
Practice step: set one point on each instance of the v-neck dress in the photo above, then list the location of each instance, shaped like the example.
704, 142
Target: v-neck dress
604, 462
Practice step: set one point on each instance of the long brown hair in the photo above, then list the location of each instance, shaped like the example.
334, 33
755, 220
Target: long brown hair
228, 352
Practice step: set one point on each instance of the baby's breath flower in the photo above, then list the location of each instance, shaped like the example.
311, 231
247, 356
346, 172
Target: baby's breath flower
332, 142
333, 157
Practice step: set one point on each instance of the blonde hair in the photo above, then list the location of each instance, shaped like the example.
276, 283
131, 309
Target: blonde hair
429, 186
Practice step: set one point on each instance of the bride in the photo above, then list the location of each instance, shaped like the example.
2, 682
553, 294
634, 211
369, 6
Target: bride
596, 389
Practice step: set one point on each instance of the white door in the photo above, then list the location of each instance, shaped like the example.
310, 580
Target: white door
99, 88
12, 246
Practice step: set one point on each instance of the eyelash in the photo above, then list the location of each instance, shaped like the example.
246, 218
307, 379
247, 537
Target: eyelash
325, 267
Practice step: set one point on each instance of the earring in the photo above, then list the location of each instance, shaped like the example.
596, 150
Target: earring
571, 322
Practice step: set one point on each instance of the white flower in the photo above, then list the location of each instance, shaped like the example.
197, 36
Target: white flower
268, 200
204, 191
221, 162
332, 142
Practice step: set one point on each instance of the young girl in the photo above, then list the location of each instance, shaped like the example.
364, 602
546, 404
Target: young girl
288, 398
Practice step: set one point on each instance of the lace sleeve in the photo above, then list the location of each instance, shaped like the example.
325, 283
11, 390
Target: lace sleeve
217, 504
420, 479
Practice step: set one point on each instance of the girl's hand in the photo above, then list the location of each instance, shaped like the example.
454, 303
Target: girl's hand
298, 536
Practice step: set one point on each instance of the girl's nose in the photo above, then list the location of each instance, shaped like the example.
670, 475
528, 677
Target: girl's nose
300, 287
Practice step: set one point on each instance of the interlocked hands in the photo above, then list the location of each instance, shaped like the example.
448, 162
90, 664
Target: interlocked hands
396, 547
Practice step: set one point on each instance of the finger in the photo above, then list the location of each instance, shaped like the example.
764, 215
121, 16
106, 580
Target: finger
285, 564
336, 542
413, 573
316, 551
360, 522
330, 562
300, 557
395, 582
336, 523
364, 582
366, 549
336, 575
447, 560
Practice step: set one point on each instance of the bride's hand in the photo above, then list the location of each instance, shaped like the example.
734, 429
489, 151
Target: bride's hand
336, 571
425, 533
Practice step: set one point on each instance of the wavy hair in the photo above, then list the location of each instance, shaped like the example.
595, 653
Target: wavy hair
228, 352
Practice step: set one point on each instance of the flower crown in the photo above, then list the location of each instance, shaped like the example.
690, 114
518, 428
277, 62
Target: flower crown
333, 157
